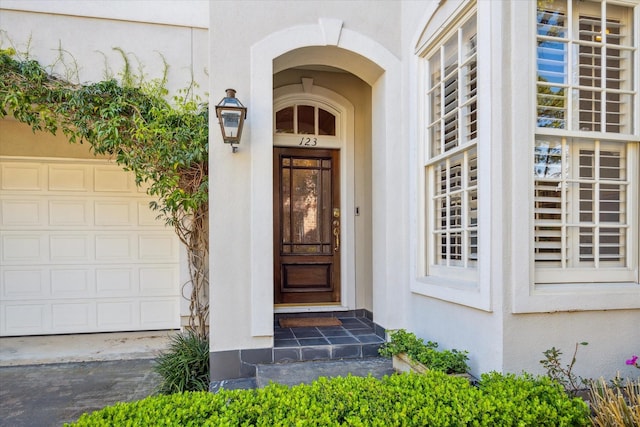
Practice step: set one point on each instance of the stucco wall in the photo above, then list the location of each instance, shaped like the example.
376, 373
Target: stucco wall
613, 337
463, 328
88, 45
243, 59
185, 13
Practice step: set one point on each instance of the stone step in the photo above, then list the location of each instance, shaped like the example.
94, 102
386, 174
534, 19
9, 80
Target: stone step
334, 351
307, 372
295, 373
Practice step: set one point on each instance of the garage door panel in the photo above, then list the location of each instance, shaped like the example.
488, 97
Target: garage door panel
117, 315
72, 212
114, 246
25, 319
22, 176
115, 213
69, 247
20, 284
147, 216
82, 252
24, 248
156, 247
157, 312
110, 179
157, 280
71, 284
73, 317
67, 177
115, 282
21, 212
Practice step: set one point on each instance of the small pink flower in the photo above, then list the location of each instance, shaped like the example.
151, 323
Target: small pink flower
632, 361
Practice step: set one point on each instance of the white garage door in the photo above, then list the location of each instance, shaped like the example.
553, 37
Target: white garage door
81, 251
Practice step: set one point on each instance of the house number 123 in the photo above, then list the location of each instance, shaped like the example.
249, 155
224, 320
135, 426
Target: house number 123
308, 142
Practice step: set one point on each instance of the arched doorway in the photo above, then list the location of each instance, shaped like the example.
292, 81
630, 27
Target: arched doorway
314, 233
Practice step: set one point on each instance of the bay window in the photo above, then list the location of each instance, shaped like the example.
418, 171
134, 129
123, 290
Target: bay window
585, 160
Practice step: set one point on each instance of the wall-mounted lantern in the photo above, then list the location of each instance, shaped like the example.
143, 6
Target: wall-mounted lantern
231, 114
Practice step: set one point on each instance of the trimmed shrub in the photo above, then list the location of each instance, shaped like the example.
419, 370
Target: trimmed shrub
410, 400
448, 361
527, 400
185, 365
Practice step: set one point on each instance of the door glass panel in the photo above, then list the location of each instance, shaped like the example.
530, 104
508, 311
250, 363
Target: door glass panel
306, 206
326, 123
311, 163
286, 204
306, 120
284, 120
326, 208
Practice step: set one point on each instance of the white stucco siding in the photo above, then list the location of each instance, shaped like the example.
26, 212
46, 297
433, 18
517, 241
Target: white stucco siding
456, 326
278, 28
184, 13
613, 337
88, 47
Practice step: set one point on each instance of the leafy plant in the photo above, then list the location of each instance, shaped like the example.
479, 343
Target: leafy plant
617, 405
511, 400
448, 361
564, 374
432, 399
185, 365
163, 144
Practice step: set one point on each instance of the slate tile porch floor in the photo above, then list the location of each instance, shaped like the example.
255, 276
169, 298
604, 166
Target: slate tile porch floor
357, 337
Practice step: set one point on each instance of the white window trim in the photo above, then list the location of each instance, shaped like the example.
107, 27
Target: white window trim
620, 273
527, 296
469, 291
321, 141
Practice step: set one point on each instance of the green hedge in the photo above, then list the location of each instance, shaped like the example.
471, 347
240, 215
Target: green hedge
433, 399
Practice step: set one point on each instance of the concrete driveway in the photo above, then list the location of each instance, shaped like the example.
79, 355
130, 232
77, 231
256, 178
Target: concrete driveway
54, 394
51, 380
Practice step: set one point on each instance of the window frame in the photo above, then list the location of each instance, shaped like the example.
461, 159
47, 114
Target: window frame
527, 296
438, 155
571, 138
569, 186
468, 287
303, 140
572, 81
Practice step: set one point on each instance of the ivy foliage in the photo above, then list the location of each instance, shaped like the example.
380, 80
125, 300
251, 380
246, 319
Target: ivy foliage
164, 144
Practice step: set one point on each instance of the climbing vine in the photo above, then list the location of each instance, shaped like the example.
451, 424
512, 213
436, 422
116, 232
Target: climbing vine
164, 144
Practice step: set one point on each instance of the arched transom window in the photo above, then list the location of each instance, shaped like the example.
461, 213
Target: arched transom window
303, 119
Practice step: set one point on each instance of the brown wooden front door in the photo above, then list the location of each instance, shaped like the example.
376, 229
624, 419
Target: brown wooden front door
306, 226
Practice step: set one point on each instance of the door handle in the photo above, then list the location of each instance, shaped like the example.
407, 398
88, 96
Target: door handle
336, 234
